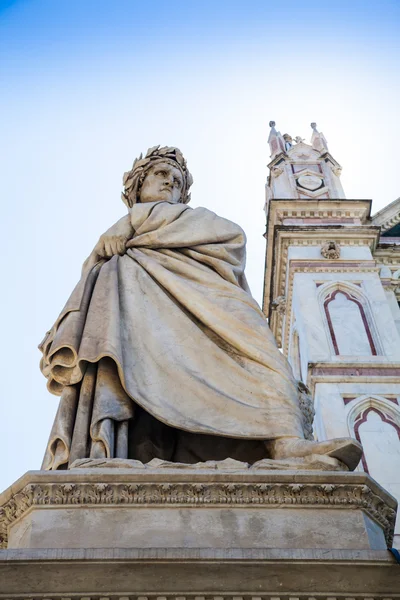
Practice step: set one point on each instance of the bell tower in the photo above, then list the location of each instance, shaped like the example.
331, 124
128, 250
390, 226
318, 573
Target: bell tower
331, 294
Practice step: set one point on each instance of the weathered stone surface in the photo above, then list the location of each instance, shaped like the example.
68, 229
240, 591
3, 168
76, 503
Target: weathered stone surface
195, 527
188, 574
330, 250
311, 462
196, 508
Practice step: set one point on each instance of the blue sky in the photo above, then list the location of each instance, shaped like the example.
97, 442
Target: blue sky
87, 85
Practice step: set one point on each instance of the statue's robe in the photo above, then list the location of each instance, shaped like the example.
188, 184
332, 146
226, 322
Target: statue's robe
164, 352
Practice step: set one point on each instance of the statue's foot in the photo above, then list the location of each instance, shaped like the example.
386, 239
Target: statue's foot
347, 450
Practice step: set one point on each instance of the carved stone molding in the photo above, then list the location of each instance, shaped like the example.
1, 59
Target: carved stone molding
315, 491
336, 170
279, 305
333, 213
331, 250
276, 171
391, 223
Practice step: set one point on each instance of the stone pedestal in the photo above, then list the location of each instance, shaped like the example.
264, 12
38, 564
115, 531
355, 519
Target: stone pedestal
116, 533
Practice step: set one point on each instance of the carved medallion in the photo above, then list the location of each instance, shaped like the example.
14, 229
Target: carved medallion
310, 182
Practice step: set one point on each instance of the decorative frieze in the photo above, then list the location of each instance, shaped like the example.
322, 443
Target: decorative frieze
340, 214
208, 493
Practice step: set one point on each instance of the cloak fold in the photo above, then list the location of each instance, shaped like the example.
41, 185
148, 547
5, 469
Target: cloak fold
170, 327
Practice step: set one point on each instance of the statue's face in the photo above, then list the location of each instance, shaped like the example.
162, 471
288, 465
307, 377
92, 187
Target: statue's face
162, 182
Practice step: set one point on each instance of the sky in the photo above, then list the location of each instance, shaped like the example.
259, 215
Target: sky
86, 85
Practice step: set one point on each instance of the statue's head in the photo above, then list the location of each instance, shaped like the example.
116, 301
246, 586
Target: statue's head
162, 175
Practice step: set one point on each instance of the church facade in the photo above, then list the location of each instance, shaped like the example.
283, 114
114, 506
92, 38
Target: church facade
332, 294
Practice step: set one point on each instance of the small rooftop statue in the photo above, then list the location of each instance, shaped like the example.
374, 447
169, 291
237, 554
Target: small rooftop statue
318, 140
161, 351
288, 141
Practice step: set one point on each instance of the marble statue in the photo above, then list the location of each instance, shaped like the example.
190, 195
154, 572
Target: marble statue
288, 141
161, 351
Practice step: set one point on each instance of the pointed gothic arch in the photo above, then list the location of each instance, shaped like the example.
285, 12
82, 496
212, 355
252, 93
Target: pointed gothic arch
359, 410
348, 320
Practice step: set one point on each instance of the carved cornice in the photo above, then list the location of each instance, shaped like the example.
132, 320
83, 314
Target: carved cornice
380, 372
243, 493
318, 213
388, 256
321, 209
390, 223
388, 216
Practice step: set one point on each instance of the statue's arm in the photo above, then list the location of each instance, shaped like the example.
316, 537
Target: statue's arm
112, 242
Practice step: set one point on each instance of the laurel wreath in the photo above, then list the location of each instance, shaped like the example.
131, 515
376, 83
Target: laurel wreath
133, 179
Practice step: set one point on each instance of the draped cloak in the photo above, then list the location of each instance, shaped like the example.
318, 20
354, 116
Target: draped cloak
171, 330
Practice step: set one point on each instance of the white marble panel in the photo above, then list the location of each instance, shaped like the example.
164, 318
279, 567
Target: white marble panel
281, 185
312, 327
333, 181
378, 388
383, 317
331, 419
394, 307
308, 315
348, 326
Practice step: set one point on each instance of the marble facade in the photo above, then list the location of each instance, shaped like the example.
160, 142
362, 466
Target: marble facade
341, 325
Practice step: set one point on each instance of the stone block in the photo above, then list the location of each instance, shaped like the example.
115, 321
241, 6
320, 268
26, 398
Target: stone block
196, 508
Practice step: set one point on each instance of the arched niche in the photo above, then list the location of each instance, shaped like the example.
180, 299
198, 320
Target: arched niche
348, 320
375, 423
379, 434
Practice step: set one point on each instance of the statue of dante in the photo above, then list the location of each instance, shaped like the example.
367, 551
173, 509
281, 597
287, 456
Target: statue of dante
161, 351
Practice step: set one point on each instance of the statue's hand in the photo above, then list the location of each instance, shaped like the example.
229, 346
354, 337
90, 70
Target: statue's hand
113, 241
